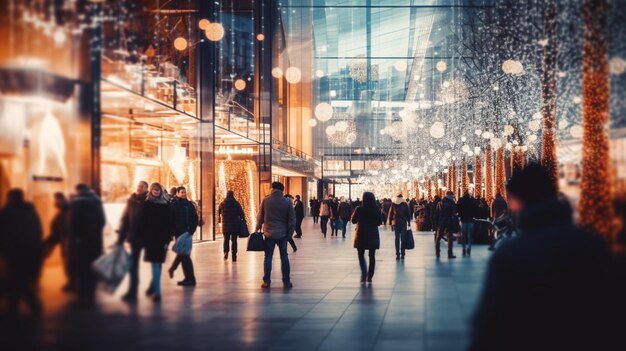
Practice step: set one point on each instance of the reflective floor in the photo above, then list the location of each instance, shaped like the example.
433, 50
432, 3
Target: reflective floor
417, 304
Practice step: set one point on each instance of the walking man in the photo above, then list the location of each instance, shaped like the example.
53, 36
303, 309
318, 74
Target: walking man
278, 218
299, 208
400, 219
232, 215
445, 217
468, 210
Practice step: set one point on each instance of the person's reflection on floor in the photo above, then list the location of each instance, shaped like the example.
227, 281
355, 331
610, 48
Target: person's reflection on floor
21, 248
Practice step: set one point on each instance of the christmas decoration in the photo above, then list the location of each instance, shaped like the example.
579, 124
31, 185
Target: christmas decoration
464, 178
549, 94
478, 176
500, 172
488, 175
430, 190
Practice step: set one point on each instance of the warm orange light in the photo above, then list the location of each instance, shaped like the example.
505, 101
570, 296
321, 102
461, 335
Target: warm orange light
240, 84
180, 44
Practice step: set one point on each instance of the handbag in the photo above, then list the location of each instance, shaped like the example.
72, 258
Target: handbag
256, 242
183, 244
243, 229
409, 241
111, 268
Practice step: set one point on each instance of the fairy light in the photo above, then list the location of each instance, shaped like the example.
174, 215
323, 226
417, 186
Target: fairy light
549, 94
478, 176
595, 206
500, 173
464, 178
517, 159
430, 190
242, 178
488, 174
455, 180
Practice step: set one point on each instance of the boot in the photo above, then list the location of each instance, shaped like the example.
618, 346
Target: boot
225, 256
234, 257
464, 252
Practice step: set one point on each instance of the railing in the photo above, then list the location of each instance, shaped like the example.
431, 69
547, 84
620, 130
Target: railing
279, 145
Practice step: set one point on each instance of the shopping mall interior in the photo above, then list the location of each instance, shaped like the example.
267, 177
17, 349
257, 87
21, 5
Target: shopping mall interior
418, 98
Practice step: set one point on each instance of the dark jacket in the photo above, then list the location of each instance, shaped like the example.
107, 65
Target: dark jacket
87, 221
184, 217
366, 236
59, 231
468, 209
21, 238
334, 209
445, 215
130, 219
400, 214
231, 214
386, 207
498, 206
299, 208
345, 211
547, 288
315, 207
154, 230
277, 215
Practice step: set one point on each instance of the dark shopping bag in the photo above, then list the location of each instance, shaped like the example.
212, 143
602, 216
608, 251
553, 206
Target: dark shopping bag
256, 242
409, 241
243, 230
182, 246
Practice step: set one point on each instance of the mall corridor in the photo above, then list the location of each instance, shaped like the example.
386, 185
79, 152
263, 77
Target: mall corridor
416, 304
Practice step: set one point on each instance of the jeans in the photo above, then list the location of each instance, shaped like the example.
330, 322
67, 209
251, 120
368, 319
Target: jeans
333, 226
365, 272
187, 264
156, 277
324, 224
343, 224
299, 226
400, 232
227, 239
133, 272
467, 229
269, 255
315, 218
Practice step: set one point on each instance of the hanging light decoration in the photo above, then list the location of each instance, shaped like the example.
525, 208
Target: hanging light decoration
214, 31
512, 67
454, 91
180, 44
534, 125
508, 130
277, 72
437, 130
488, 175
576, 131
260, 37
441, 66
331, 130
312, 122
240, 84
617, 66
400, 65
500, 172
324, 111
478, 175
293, 75
204, 24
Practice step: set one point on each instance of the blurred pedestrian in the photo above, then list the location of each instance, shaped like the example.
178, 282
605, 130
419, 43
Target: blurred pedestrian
446, 221
299, 208
468, 210
366, 237
290, 238
345, 213
184, 220
86, 222
278, 218
334, 215
231, 215
548, 287
129, 231
21, 237
155, 235
314, 204
399, 219
59, 235
324, 214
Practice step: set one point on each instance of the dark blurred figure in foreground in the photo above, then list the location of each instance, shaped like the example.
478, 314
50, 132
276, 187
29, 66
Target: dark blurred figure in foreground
547, 288
87, 221
59, 235
21, 247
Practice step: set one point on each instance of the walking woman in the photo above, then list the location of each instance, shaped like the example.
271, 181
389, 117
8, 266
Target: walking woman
366, 237
154, 233
232, 216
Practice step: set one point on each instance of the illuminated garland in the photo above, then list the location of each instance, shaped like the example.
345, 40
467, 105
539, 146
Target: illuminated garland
478, 176
455, 180
595, 205
548, 94
500, 173
464, 178
450, 178
517, 160
430, 190
416, 186
242, 178
488, 175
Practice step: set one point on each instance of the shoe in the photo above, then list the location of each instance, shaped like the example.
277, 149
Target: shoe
464, 252
265, 285
402, 257
234, 257
295, 249
324, 236
397, 257
287, 285
225, 256
469, 252
187, 283
363, 279
369, 280
129, 298
451, 256
170, 272
150, 291
344, 236
156, 298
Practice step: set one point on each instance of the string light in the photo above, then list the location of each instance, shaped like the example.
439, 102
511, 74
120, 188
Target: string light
464, 178
500, 172
488, 175
595, 206
242, 178
478, 176
430, 190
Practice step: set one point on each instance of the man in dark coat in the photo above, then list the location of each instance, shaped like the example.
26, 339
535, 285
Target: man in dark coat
334, 215
129, 231
498, 206
87, 221
432, 212
299, 208
344, 213
400, 219
232, 217
59, 235
314, 204
184, 219
21, 246
468, 210
548, 287
445, 217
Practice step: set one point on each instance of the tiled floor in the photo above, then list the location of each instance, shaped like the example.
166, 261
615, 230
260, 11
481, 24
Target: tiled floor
417, 304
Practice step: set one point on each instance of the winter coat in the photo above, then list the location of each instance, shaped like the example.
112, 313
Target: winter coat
154, 230
334, 209
366, 236
468, 209
59, 232
130, 219
445, 214
231, 214
549, 283
21, 239
399, 213
386, 207
277, 215
498, 207
299, 208
315, 207
345, 211
87, 221
184, 217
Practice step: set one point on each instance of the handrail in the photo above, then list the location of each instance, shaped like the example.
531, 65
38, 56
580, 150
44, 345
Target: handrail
291, 150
